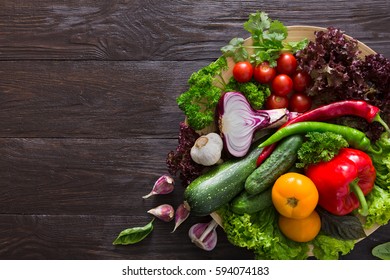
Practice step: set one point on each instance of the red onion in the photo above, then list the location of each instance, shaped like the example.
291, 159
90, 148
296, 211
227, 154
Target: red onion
238, 122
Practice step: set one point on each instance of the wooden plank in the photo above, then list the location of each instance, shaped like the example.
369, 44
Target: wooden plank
90, 237
121, 30
92, 98
82, 176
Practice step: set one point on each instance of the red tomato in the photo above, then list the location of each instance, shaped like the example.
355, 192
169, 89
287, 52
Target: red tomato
286, 64
300, 102
243, 71
276, 102
282, 85
263, 73
301, 81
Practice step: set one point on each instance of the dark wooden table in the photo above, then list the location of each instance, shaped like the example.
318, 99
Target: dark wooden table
88, 115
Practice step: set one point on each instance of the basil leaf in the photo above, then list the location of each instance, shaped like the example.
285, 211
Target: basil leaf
133, 235
346, 227
382, 251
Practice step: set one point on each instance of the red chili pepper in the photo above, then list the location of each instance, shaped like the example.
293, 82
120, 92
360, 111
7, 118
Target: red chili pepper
343, 182
357, 108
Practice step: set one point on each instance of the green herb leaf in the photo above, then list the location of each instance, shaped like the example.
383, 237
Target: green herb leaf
133, 235
296, 46
277, 31
346, 227
200, 100
236, 49
257, 22
382, 251
320, 147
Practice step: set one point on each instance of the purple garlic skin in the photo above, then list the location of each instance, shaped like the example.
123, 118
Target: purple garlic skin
164, 212
163, 185
181, 215
204, 235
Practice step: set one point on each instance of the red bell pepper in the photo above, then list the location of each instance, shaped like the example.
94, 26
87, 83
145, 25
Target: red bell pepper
343, 182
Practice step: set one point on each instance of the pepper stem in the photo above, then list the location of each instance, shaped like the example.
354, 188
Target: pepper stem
360, 195
378, 119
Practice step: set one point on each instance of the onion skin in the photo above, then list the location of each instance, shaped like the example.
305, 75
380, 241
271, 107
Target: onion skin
238, 122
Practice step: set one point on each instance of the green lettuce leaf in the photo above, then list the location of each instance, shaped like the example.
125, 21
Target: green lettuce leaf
378, 201
329, 248
259, 232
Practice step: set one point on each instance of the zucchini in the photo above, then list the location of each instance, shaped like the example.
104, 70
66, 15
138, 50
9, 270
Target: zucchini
281, 160
246, 203
220, 185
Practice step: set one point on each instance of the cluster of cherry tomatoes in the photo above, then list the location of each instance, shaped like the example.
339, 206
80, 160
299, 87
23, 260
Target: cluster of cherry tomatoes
287, 84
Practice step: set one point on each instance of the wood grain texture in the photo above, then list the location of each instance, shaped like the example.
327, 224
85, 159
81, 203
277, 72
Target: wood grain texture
81, 176
88, 114
90, 237
92, 99
165, 30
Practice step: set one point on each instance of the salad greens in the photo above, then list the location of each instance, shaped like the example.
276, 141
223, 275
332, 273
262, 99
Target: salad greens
330, 248
379, 199
258, 232
344, 227
268, 41
200, 100
382, 161
320, 147
338, 73
255, 93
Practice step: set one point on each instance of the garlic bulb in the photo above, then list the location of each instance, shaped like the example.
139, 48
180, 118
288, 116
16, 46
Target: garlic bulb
207, 149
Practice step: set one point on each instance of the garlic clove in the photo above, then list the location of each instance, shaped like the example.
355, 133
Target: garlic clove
163, 185
164, 212
204, 235
181, 215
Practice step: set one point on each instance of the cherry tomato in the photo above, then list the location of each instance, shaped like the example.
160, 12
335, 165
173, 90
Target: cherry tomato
282, 85
276, 102
300, 102
301, 81
286, 64
243, 71
263, 73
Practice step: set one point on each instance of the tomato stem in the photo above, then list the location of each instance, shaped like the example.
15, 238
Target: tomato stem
360, 195
292, 202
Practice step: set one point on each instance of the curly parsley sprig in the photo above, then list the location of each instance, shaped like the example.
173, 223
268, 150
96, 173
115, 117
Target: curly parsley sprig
320, 147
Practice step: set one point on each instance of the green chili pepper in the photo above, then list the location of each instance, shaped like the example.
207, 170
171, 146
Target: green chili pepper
355, 138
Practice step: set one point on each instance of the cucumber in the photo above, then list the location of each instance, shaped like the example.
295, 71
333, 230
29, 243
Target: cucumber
246, 203
220, 185
281, 160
